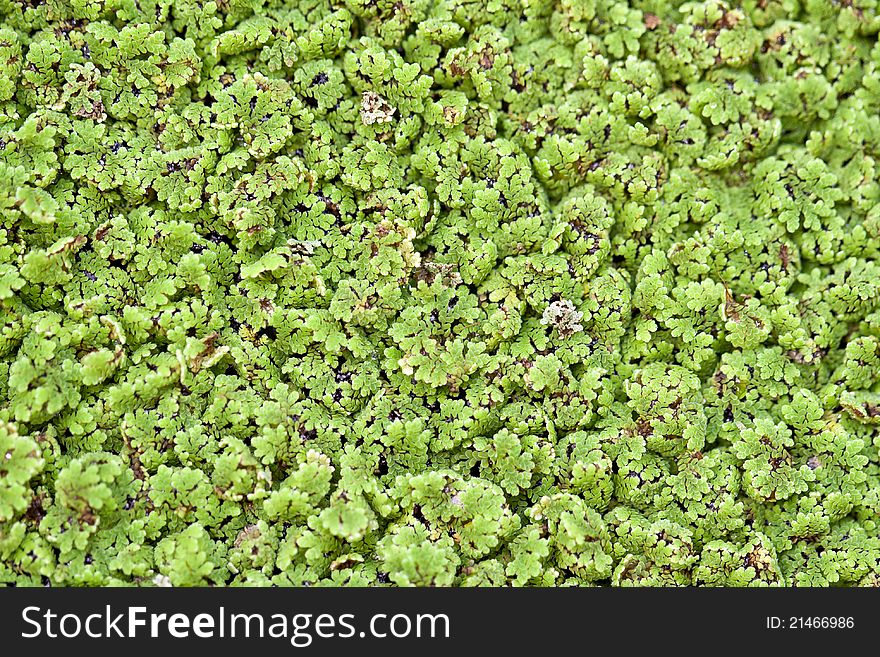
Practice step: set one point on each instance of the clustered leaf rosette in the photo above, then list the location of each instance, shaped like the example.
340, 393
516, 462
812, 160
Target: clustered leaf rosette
539, 293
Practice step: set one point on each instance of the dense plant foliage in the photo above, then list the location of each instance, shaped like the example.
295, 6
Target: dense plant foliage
453, 292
